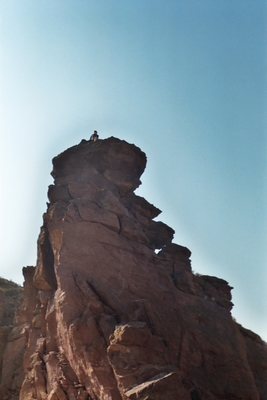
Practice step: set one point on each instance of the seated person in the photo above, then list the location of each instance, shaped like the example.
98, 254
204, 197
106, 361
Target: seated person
94, 136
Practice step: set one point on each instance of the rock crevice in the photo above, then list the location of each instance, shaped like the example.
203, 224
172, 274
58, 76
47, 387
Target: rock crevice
110, 318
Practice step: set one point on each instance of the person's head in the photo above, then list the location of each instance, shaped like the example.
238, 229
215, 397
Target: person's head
95, 132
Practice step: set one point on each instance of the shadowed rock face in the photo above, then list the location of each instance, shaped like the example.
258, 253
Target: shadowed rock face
13, 337
10, 297
113, 319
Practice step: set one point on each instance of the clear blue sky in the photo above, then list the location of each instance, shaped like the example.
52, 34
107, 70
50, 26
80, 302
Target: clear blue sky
185, 81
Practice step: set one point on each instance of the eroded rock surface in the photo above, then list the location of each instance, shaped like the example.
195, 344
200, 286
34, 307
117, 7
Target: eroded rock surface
110, 318
10, 298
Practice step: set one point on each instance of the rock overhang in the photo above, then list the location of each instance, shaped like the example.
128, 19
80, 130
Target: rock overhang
111, 319
118, 161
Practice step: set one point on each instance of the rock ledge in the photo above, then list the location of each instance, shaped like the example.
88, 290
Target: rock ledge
105, 317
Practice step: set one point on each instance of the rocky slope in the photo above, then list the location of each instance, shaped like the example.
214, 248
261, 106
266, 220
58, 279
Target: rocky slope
10, 298
105, 316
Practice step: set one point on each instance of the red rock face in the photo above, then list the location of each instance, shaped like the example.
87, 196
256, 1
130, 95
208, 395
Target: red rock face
14, 329
112, 318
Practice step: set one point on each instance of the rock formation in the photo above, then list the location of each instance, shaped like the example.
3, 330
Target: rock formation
10, 298
105, 316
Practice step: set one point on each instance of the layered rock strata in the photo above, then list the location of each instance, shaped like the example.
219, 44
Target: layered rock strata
117, 312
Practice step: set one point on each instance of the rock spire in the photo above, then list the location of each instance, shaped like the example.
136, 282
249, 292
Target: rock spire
110, 318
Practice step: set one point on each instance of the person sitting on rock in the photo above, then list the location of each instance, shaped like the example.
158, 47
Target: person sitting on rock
94, 136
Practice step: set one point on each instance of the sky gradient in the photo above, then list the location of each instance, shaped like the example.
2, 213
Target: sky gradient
183, 80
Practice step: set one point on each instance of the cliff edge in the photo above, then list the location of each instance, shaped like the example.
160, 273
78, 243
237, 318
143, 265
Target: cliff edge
110, 318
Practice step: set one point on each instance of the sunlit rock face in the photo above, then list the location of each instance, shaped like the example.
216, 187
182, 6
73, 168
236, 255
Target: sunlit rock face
118, 313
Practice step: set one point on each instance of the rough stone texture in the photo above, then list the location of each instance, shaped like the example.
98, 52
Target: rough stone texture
111, 319
10, 298
257, 358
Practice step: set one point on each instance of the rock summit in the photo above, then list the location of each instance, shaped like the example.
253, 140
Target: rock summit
112, 310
